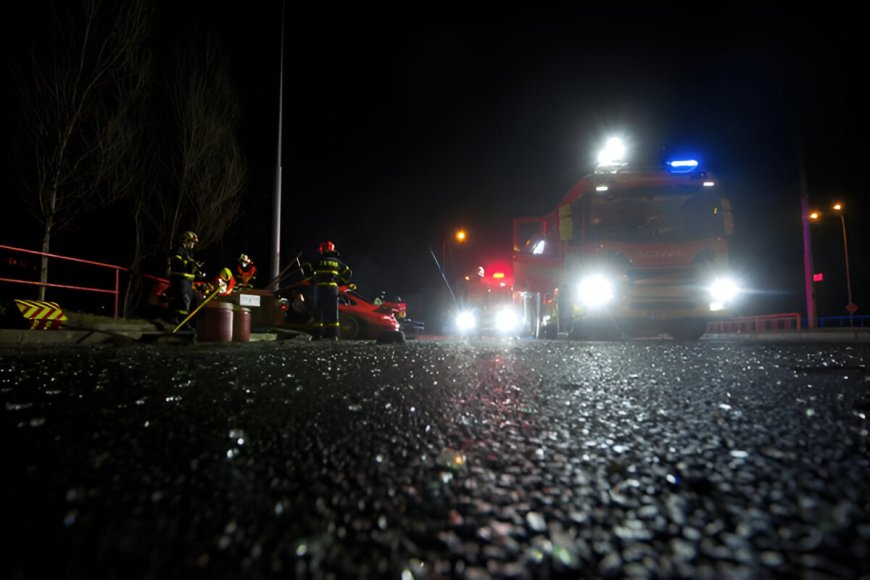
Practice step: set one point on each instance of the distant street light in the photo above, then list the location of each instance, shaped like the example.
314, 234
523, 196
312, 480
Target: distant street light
838, 207
851, 306
447, 266
448, 258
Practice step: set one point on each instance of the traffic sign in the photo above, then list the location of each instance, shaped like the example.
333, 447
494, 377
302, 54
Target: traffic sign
851, 307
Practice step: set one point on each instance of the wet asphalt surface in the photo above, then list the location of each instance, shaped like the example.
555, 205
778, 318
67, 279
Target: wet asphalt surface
429, 459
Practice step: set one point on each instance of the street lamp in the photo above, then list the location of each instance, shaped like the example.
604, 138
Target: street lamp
838, 207
851, 307
460, 236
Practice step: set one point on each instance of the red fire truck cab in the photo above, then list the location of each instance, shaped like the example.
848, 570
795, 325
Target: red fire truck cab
626, 252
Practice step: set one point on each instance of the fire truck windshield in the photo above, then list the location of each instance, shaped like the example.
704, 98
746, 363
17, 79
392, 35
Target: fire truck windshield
653, 215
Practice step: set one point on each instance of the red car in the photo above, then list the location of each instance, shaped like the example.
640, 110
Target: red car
411, 328
359, 318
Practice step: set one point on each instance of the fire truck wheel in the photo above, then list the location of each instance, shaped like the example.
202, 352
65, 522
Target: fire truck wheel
688, 330
579, 332
548, 331
594, 330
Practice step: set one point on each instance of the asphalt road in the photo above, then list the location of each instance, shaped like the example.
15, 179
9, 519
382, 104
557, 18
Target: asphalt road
430, 459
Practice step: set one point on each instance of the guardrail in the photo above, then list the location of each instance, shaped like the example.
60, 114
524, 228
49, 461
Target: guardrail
844, 322
783, 322
114, 290
757, 324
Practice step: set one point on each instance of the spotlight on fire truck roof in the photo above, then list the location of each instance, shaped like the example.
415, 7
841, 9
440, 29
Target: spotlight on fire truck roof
612, 156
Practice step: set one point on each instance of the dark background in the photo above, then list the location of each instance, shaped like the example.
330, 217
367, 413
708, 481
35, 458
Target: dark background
403, 121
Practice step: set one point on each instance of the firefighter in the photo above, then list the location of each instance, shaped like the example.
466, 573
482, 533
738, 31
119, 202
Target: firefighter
327, 273
183, 269
224, 282
246, 271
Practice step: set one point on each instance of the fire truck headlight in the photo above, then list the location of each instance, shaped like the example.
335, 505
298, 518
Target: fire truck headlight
506, 320
595, 291
723, 291
466, 321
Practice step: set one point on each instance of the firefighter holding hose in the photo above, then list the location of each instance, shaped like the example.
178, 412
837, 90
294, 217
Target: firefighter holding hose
183, 270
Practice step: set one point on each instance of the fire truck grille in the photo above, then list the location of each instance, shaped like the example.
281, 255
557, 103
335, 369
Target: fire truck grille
662, 305
663, 290
665, 277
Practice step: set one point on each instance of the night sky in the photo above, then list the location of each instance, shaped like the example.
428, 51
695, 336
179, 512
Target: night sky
403, 121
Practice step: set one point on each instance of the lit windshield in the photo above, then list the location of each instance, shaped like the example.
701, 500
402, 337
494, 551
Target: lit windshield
654, 215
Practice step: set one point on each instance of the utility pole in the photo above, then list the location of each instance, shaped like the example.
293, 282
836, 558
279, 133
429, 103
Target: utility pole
276, 202
808, 251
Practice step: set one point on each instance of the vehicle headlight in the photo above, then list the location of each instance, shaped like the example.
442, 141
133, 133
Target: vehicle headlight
466, 321
722, 291
506, 320
595, 291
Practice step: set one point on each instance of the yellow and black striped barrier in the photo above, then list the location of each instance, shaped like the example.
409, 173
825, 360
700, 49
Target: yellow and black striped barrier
40, 315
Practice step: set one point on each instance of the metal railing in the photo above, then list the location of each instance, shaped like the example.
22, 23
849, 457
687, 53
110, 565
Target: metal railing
844, 321
757, 324
114, 291
784, 322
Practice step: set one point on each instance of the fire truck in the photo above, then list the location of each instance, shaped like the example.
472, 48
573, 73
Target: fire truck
486, 307
627, 251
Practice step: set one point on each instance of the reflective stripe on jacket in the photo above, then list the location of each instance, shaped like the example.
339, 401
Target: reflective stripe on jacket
329, 270
182, 264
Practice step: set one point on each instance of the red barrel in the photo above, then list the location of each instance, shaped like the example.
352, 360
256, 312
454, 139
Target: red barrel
214, 323
241, 324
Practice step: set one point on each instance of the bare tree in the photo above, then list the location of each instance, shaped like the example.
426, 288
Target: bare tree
209, 171
131, 181
199, 173
83, 77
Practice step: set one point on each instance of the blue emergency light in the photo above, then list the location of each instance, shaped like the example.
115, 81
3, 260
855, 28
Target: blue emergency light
682, 165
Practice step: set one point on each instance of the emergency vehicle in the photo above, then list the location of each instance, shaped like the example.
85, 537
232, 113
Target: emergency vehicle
486, 305
627, 251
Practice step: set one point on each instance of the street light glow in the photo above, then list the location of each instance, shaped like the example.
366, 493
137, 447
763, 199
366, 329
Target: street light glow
460, 236
838, 207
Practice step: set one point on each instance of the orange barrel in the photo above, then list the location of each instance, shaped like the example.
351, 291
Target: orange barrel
214, 323
241, 324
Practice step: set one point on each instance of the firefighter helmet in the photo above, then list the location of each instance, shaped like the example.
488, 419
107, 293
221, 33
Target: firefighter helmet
225, 274
244, 260
189, 237
327, 246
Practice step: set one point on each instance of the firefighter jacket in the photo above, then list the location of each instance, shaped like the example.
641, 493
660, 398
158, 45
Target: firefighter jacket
224, 283
246, 275
328, 270
182, 264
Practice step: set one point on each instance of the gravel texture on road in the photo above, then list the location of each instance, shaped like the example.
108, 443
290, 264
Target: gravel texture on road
481, 459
